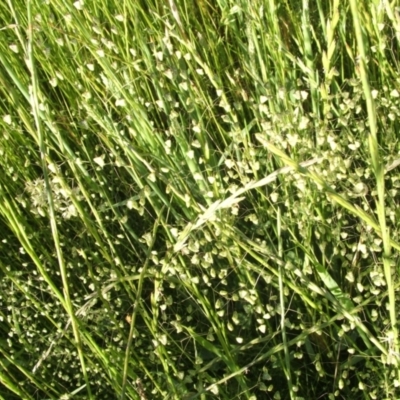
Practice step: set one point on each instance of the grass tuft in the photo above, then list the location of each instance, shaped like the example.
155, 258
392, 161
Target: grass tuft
198, 200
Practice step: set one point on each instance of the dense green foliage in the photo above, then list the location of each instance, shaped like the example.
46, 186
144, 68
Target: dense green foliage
199, 199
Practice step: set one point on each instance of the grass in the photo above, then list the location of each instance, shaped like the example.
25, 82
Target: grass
198, 200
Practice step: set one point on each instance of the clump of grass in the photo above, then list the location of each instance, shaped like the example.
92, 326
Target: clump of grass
199, 200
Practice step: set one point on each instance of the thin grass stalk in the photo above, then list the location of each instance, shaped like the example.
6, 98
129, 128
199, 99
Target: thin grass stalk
17, 223
136, 306
283, 312
378, 169
11, 385
308, 53
44, 386
219, 329
54, 229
